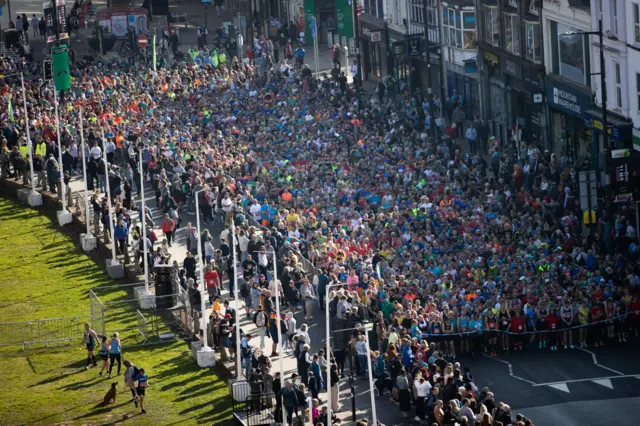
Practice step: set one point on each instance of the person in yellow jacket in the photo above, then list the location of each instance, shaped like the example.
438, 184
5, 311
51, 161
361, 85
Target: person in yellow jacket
41, 148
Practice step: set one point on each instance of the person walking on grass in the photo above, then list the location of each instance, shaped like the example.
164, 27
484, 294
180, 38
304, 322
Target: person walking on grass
114, 354
104, 354
90, 339
129, 380
143, 382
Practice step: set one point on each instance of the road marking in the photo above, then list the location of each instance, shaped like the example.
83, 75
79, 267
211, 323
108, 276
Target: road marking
592, 379
595, 361
510, 369
561, 387
603, 382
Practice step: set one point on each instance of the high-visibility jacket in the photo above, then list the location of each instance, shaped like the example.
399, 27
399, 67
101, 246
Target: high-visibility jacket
41, 149
24, 150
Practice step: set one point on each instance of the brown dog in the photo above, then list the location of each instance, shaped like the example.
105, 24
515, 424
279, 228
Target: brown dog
110, 395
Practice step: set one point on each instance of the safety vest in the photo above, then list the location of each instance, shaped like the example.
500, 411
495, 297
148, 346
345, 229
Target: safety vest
24, 150
41, 149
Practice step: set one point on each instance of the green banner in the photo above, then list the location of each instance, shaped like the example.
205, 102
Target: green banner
309, 11
60, 61
344, 17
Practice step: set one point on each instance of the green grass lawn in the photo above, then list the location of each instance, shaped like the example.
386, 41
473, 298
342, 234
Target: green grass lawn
43, 275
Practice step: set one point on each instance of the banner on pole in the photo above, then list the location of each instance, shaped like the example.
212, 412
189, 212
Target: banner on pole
61, 74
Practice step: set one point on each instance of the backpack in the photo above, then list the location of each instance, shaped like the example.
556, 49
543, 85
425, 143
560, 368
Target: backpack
245, 290
260, 319
136, 371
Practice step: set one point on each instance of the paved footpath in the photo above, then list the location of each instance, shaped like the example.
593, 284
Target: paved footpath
388, 412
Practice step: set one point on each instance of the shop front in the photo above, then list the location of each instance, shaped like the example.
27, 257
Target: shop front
567, 103
513, 101
619, 130
373, 42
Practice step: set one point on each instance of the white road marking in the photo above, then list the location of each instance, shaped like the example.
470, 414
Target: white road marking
595, 361
604, 382
592, 379
561, 387
510, 369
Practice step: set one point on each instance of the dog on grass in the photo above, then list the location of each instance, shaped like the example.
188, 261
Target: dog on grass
110, 395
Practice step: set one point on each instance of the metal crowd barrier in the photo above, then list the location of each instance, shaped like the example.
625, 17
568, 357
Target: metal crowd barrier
43, 332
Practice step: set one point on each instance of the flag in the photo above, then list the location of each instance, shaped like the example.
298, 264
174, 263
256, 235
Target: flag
11, 117
154, 53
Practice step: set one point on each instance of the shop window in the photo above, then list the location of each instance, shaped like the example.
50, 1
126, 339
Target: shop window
532, 34
617, 75
638, 90
511, 33
492, 25
570, 59
459, 28
636, 23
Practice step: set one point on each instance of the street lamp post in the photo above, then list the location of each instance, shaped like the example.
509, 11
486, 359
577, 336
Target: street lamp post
328, 343
35, 199
275, 280
88, 240
605, 122
64, 217
235, 296
367, 327
143, 206
206, 355
114, 268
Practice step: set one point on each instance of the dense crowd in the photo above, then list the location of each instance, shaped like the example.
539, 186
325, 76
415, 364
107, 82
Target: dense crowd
446, 253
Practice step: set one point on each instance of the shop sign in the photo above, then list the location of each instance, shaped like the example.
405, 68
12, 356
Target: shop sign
620, 163
563, 97
491, 57
415, 47
398, 48
512, 69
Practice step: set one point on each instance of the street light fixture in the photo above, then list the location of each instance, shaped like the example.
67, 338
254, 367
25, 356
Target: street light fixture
206, 355
603, 85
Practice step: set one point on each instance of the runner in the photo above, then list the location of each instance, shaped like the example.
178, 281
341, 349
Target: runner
90, 339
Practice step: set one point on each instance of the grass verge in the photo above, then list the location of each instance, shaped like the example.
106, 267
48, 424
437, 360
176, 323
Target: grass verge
45, 276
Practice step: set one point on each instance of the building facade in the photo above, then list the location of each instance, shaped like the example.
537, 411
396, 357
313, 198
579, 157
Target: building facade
567, 59
460, 52
511, 70
428, 67
633, 72
619, 127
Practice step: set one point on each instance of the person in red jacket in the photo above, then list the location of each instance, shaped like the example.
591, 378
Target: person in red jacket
212, 280
518, 326
168, 226
553, 325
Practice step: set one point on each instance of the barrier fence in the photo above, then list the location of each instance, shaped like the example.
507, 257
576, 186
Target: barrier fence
140, 319
46, 332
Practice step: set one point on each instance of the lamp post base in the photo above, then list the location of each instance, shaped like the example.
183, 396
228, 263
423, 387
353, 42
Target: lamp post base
206, 357
35, 199
115, 269
64, 217
89, 242
146, 299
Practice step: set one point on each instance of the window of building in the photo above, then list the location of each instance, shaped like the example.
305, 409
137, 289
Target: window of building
534, 7
617, 75
638, 90
569, 53
459, 28
492, 24
599, 11
511, 33
636, 22
614, 18
532, 37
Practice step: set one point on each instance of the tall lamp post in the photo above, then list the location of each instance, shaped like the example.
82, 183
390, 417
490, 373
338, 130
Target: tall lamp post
34, 197
88, 240
605, 121
275, 280
206, 355
328, 341
114, 268
64, 217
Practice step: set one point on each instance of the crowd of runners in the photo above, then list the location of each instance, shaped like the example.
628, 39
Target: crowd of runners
447, 253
